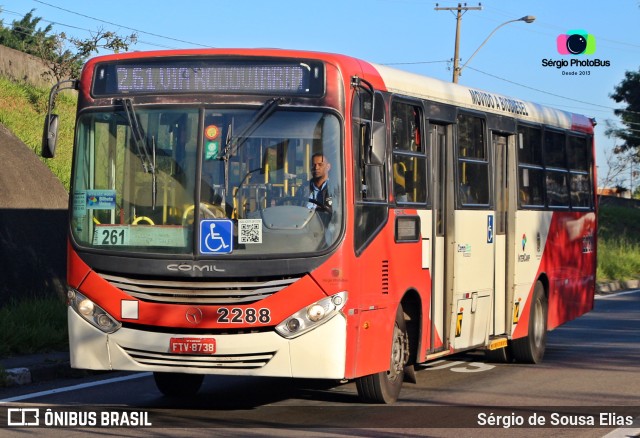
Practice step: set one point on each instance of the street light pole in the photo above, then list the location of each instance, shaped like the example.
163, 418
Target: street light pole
456, 73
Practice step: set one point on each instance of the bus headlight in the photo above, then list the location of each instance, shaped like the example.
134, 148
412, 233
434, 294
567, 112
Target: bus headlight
91, 312
312, 316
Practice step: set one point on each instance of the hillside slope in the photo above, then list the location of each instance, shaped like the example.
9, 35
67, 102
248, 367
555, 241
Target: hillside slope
33, 223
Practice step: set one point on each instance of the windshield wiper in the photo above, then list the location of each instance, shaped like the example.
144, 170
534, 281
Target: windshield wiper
140, 140
234, 142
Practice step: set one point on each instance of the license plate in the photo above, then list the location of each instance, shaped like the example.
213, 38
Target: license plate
192, 345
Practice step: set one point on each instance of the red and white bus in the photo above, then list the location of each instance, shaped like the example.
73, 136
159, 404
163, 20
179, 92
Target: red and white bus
452, 219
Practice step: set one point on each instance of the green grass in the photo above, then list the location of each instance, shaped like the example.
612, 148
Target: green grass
34, 325
22, 110
618, 259
618, 243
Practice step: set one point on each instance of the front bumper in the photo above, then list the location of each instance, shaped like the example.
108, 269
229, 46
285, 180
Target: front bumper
318, 354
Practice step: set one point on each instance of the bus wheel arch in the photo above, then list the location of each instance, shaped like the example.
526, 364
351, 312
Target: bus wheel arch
530, 349
384, 387
412, 310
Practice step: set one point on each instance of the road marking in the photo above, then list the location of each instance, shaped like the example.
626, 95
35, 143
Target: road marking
440, 364
473, 367
74, 387
617, 294
459, 366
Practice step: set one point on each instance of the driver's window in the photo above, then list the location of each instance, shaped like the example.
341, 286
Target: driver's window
369, 181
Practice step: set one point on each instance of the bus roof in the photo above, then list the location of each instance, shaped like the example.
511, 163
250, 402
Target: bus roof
423, 87
401, 82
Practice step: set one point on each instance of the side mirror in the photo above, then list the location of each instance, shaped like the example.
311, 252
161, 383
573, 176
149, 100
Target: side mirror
375, 143
378, 143
49, 136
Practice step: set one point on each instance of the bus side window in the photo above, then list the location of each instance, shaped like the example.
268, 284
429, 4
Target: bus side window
530, 170
473, 162
579, 167
556, 172
409, 159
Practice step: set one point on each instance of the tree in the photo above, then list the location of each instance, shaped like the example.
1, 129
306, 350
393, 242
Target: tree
620, 165
628, 92
67, 64
63, 55
61, 62
103, 39
23, 35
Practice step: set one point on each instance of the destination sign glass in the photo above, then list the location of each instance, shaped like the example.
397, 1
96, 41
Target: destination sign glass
171, 76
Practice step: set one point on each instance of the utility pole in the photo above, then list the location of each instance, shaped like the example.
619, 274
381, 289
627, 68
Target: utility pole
460, 12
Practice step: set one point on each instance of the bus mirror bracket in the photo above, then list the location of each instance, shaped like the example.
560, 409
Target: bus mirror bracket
51, 121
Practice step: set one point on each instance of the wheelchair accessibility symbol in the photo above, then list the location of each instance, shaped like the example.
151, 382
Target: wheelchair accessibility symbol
216, 236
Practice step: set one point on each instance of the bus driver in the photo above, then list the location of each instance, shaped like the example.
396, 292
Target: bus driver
319, 198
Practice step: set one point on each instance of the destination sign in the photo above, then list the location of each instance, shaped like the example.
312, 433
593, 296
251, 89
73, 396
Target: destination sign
488, 100
171, 76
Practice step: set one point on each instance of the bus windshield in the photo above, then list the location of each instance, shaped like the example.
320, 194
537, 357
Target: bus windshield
142, 176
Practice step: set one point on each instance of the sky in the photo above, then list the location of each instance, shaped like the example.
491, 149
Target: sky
518, 60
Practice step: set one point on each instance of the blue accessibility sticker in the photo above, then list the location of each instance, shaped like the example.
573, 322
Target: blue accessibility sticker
490, 228
216, 236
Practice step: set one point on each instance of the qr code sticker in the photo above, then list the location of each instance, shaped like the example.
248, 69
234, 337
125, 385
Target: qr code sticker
250, 231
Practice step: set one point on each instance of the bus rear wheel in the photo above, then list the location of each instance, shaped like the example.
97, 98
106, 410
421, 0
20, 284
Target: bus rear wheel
530, 349
384, 387
178, 384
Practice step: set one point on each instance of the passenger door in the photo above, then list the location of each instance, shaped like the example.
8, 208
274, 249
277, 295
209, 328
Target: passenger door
440, 137
502, 197
471, 236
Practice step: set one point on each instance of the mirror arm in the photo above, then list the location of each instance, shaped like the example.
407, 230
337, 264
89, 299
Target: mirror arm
357, 82
56, 89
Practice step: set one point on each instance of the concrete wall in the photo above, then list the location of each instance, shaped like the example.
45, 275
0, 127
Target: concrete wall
23, 67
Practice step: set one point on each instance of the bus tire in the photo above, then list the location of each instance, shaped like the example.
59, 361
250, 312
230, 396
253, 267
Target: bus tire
384, 387
530, 349
178, 384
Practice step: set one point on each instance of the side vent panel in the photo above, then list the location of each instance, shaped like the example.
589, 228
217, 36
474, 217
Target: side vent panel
385, 276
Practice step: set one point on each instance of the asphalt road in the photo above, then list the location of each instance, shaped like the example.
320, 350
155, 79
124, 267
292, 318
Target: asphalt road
587, 386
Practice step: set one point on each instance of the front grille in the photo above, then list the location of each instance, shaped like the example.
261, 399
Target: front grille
199, 292
226, 361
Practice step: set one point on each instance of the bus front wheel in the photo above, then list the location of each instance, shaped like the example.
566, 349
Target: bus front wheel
530, 349
178, 384
384, 387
